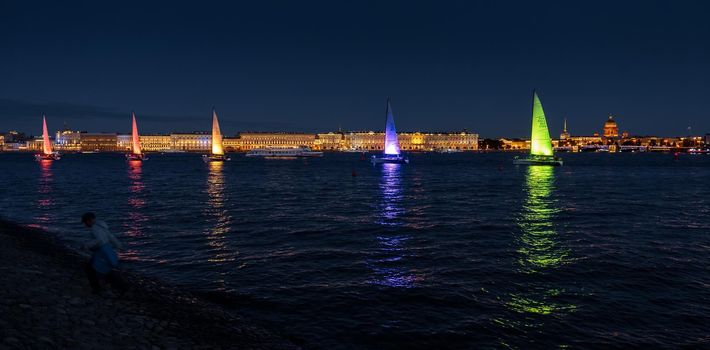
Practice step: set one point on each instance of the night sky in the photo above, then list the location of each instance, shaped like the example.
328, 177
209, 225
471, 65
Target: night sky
317, 66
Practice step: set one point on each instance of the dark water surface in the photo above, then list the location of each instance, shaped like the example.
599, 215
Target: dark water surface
448, 251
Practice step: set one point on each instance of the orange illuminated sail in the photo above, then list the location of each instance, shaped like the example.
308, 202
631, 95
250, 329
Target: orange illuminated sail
216, 136
136, 141
47, 147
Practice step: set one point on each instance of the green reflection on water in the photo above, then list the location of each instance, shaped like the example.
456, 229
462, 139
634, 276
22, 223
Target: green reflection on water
540, 251
539, 247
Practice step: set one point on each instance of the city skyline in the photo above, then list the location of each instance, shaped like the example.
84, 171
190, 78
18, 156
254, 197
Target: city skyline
554, 130
447, 66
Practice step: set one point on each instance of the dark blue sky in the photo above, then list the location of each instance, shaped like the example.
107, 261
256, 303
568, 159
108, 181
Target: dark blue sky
314, 66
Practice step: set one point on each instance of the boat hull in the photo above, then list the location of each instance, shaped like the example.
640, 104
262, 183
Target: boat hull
215, 158
533, 161
51, 156
391, 160
283, 153
135, 157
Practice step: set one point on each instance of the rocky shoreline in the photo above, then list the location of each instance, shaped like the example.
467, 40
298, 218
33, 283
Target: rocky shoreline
46, 302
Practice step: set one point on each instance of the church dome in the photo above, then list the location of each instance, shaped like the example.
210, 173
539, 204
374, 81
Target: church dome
610, 128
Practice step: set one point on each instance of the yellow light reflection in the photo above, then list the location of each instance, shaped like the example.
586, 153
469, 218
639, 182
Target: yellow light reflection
216, 210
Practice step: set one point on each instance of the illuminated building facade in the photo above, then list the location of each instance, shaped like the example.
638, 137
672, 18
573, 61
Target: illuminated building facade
156, 143
100, 142
611, 129
123, 142
331, 141
2, 142
254, 140
67, 141
231, 144
515, 144
365, 141
35, 145
417, 141
193, 142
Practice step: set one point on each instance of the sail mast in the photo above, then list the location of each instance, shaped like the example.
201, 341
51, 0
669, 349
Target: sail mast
540, 142
391, 141
47, 146
136, 143
216, 135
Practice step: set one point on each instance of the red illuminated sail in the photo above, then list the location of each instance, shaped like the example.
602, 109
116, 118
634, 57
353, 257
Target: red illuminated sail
47, 146
136, 142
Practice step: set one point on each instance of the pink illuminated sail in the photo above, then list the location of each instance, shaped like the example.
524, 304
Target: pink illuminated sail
47, 147
216, 135
136, 141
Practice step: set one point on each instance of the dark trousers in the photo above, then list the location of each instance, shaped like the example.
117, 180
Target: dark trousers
113, 278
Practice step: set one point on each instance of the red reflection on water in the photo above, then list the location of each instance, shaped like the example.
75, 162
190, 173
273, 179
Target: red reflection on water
135, 174
45, 202
135, 218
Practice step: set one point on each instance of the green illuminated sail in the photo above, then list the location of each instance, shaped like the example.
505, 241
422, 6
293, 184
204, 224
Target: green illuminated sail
540, 143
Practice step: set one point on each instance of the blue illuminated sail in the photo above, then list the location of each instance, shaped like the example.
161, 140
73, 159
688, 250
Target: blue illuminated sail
391, 142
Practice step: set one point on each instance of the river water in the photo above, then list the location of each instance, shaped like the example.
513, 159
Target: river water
450, 251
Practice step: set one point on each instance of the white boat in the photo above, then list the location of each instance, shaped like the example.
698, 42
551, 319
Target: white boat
541, 152
217, 150
284, 153
448, 150
392, 153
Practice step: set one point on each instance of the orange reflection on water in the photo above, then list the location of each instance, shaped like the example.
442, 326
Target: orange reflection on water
219, 216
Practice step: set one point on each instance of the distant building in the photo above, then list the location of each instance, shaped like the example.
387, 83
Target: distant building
515, 144
100, 142
2, 142
37, 144
191, 142
231, 144
68, 141
254, 140
707, 139
123, 142
156, 143
564, 135
417, 141
331, 141
611, 130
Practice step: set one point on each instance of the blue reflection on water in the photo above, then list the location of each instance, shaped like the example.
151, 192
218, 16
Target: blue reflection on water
392, 251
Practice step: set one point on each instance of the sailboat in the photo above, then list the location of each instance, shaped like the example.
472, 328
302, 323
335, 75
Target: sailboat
136, 153
540, 143
47, 153
392, 153
217, 151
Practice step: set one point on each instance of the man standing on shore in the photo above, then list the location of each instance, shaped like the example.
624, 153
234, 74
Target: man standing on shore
103, 255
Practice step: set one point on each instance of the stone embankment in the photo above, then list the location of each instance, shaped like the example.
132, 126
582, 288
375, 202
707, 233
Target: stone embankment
46, 303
